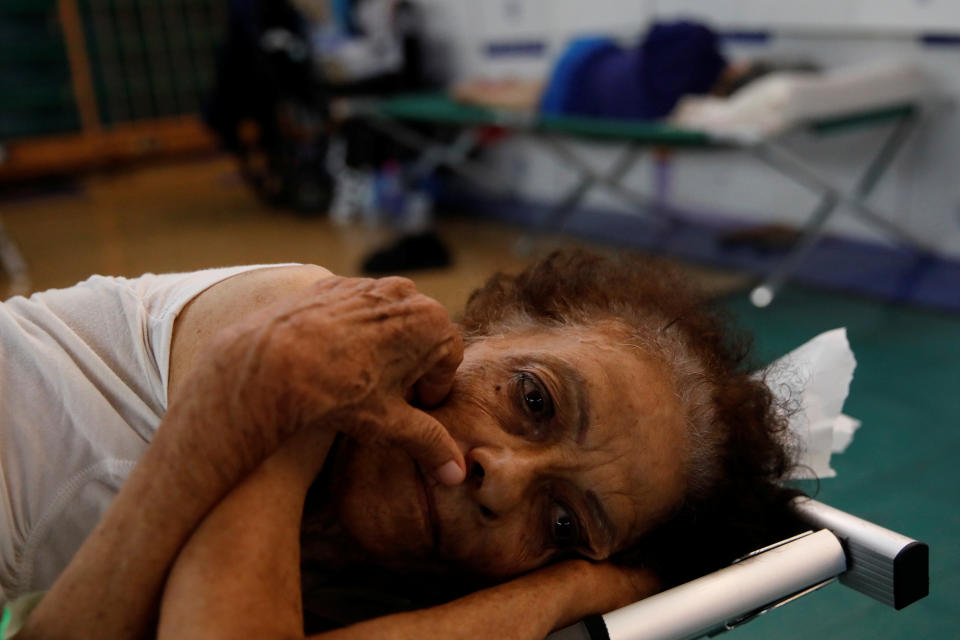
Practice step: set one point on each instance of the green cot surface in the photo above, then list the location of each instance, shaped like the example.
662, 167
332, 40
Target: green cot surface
901, 470
863, 118
438, 108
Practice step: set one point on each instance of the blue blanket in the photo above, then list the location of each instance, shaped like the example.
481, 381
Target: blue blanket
597, 77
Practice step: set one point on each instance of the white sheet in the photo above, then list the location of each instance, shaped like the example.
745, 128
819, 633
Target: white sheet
781, 100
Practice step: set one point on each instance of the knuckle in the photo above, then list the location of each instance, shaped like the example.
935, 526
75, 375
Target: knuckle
398, 284
430, 310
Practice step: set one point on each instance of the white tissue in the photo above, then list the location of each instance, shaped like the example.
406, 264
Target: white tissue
813, 381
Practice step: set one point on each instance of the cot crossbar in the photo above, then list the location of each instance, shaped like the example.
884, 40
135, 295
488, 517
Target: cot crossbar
864, 556
389, 115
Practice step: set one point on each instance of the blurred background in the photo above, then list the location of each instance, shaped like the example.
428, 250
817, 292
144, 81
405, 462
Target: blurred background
798, 160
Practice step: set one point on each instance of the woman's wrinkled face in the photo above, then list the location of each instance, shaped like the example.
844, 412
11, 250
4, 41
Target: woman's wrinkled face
573, 443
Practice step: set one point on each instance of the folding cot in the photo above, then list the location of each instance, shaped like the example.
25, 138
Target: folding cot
393, 116
875, 561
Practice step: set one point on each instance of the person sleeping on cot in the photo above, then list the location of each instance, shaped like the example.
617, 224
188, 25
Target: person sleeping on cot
340, 458
601, 77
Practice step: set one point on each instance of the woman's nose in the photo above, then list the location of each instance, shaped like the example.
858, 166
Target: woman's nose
499, 479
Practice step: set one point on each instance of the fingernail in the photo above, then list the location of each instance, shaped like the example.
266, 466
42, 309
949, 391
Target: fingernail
449, 473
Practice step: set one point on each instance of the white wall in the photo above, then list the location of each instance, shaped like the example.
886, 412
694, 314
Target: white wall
890, 16
922, 189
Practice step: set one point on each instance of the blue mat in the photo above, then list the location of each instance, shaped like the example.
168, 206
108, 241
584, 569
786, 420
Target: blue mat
901, 470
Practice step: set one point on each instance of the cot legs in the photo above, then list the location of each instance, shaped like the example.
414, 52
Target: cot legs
832, 197
434, 154
588, 177
14, 265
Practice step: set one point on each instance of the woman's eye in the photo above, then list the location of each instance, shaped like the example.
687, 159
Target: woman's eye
564, 532
535, 398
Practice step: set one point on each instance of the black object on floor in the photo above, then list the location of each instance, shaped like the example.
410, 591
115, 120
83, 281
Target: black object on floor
409, 253
770, 238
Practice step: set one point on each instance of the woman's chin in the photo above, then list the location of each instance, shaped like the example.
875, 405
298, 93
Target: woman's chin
380, 501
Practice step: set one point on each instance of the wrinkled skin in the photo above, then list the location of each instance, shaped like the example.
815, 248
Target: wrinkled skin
349, 355
350, 352
256, 383
525, 472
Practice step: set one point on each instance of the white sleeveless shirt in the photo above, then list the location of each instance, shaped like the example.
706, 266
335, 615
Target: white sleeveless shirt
83, 386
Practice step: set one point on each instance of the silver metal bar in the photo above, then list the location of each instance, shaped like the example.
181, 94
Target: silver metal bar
763, 294
753, 615
787, 163
13, 264
778, 157
707, 605
864, 556
419, 142
770, 547
882, 564
612, 179
588, 178
453, 154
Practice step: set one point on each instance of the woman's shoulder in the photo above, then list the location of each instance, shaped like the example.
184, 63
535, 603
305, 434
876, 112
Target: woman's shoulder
228, 301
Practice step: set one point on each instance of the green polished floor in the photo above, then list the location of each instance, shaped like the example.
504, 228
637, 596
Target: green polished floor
901, 470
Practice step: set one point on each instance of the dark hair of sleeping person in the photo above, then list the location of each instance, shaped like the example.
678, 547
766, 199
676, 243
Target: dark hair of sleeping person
732, 500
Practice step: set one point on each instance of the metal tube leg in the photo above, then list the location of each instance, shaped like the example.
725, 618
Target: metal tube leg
763, 294
588, 177
612, 179
418, 142
884, 157
14, 265
454, 154
559, 213
788, 164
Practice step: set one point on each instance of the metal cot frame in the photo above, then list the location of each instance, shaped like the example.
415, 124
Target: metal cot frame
877, 562
394, 116
840, 547
13, 264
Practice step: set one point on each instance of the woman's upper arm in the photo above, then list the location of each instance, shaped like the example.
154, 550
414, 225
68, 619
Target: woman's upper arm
225, 303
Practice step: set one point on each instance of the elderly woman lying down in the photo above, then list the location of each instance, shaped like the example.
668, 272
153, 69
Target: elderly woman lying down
585, 434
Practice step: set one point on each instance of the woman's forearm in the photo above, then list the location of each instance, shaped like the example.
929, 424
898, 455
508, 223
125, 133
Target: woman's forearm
239, 574
528, 607
112, 586
253, 385
520, 610
239, 577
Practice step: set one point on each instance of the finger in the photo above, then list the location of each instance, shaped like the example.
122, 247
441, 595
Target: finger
391, 289
429, 443
397, 286
434, 385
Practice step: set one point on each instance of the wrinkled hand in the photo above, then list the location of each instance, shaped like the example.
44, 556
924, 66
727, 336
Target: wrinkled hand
348, 353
